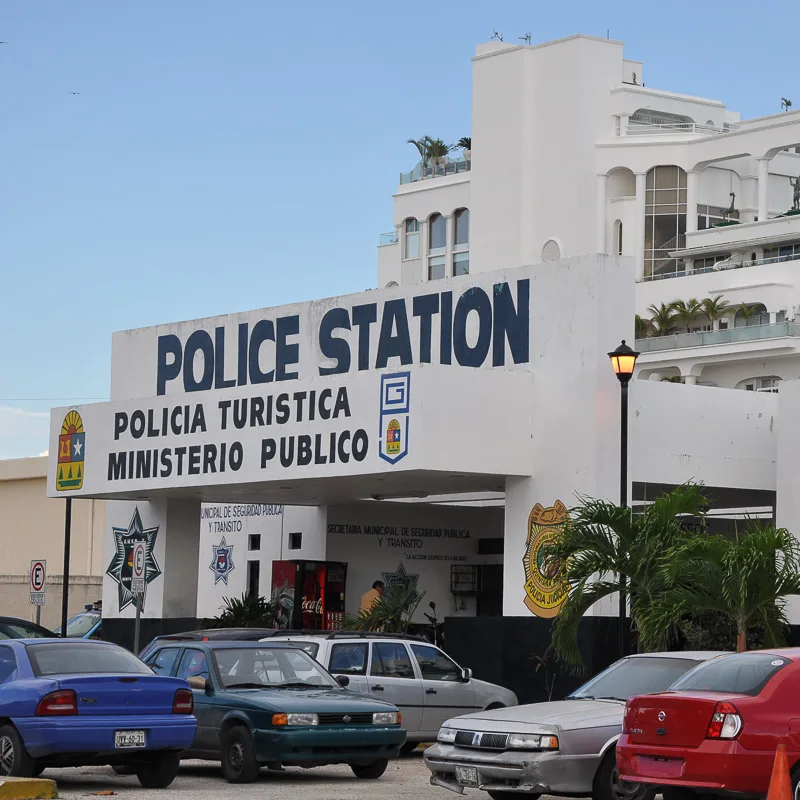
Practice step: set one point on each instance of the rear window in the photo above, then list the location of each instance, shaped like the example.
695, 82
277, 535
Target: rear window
83, 658
634, 676
742, 673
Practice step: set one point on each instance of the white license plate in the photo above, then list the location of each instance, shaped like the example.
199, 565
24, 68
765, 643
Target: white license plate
126, 740
467, 776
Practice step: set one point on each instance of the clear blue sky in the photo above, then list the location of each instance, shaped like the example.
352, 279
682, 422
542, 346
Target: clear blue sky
229, 155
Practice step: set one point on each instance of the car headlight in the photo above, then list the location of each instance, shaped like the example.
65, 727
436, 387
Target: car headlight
532, 741
386, 718
446, 735
294, 720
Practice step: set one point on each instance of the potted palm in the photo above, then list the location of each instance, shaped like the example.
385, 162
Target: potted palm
437, 151
465, 143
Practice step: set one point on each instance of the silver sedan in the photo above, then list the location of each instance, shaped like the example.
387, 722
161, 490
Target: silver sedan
566, 747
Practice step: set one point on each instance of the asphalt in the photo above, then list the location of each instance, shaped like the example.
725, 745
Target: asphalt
406, 778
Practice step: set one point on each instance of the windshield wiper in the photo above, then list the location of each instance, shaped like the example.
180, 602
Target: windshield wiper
581, 697
247, 686
297, 685
609, 697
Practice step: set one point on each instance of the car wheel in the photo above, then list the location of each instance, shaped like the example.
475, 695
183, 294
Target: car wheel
126, 769
239, 763
14, 759
370, 772
609, 786
408, 748
160, 772
498, 795
796, 783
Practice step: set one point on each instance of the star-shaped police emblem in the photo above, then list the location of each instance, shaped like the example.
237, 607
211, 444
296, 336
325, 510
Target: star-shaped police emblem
400, 578
121, 567
222, 563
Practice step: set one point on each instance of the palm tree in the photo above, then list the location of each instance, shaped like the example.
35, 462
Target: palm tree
714, 308
604, 543
464, 143
662, 319
422, 148
745, 578
746, 312
391, 613
438, 150
686, 311
642, 327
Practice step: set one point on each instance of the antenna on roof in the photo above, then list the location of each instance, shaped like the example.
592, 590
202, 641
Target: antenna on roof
526, 38
498, 36
608, 33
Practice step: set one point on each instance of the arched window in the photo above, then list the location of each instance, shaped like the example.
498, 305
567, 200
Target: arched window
551, 251
461, 242
665, 219
437, 237
412, 238
765, 383
461, 230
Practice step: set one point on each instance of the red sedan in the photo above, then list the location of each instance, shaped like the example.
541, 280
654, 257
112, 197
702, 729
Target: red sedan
717, 728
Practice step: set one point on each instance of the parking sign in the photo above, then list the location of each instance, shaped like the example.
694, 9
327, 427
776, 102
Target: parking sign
38, 578
137, 577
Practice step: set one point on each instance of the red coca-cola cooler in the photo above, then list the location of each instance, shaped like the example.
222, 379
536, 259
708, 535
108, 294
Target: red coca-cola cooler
309, 595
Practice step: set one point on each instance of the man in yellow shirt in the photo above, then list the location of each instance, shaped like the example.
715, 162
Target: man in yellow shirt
368, 599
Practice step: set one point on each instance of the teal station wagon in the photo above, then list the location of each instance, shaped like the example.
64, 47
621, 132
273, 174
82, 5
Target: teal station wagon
272, 705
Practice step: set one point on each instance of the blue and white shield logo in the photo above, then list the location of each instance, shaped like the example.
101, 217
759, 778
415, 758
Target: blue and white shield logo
394, 418
222, 563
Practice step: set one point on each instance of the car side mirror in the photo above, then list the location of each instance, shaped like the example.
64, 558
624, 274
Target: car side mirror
466, 675
343, 681
201, 684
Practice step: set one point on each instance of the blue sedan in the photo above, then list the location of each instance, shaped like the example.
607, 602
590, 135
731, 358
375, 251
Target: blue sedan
71, 703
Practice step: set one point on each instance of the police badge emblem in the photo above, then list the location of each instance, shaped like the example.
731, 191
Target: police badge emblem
545, 586
222, 563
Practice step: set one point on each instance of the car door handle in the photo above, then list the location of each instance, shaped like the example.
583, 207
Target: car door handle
376, 688
430, 691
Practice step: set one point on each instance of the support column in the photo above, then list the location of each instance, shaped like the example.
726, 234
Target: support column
763, 189
624, 119
602, 212
692, 184
641, 185
690, 380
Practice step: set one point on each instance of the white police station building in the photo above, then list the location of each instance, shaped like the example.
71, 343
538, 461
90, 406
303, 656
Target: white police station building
435, 430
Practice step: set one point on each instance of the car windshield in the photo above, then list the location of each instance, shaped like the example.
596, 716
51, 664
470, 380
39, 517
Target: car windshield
266, 667
743, 673
82, 623
633, 676
83, 658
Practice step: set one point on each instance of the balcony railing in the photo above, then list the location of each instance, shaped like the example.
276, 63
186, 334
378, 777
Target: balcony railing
745, 333
420, 173
673, 128
720, 267
388, 238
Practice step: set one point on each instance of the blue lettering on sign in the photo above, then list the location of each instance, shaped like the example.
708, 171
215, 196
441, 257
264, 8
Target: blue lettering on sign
346, 338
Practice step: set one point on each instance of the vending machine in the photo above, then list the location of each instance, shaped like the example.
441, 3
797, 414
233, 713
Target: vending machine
309, 595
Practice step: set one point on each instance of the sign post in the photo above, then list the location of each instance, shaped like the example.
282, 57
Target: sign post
137, 588
38, 578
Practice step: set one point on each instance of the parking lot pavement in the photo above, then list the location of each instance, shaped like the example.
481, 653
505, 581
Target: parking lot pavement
406, 778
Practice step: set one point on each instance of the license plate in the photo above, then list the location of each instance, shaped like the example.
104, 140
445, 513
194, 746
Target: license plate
467, 776
126, 740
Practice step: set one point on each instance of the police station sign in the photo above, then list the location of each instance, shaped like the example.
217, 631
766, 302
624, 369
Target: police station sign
340, 386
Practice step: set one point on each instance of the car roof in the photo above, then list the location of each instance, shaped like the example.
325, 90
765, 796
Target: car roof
690, 655
216, 633
227, 645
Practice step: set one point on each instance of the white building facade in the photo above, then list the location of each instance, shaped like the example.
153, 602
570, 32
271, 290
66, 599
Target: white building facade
573, 153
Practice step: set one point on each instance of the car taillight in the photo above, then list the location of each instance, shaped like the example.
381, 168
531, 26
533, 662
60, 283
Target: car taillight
725, 723
58, 704
183, 702
625, 717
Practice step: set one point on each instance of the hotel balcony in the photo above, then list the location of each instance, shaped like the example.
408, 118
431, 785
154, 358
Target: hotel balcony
745, 333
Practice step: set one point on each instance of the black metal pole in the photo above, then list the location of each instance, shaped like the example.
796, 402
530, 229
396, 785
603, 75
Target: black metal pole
65, 585
623, 501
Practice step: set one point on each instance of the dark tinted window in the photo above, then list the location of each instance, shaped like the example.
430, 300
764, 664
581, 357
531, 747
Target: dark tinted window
391, 660
19, 630
743, 673
434, 664
634, 676
193, 665
349, 659
163, 661
83, 658
8, 663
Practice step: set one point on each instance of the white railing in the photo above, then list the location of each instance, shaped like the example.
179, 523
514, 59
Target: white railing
744, 333
721, 266
636, 128
388, 238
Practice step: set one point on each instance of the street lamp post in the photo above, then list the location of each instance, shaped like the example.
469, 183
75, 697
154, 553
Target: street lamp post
623, 360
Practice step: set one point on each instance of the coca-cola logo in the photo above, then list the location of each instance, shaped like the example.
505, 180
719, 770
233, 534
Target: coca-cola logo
312, 606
